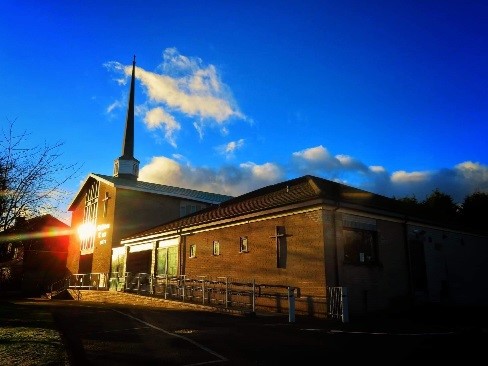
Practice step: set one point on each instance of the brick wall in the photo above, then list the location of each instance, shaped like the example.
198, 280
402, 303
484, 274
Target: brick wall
304, 267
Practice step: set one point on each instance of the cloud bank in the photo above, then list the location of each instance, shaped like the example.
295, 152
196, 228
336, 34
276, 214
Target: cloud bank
184, 92
458, 181
184, 88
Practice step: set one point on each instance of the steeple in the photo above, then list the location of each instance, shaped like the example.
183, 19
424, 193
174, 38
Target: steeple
126, 166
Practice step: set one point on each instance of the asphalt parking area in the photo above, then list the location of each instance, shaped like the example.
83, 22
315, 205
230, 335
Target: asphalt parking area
109, 334
102, 335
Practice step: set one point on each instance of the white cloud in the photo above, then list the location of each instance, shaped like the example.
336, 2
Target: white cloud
475, 172
114, 105
158, 118
314, 160
458, 182
228, 180
377, 169
185, 87
402, 176
314, 154
229, 149
349, 163
318, 160
163, 171
266, 173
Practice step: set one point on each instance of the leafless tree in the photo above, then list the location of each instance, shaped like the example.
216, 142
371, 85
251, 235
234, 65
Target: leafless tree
31, 177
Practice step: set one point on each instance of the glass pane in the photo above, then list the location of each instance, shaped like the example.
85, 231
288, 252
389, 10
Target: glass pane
162, 261
352, 241
172, 261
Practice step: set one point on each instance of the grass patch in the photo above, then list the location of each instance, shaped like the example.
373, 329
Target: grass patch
28, 336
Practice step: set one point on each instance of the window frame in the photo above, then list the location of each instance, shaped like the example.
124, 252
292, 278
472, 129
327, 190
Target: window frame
361, 250
90, 214
193, 250
243, 244
215, 247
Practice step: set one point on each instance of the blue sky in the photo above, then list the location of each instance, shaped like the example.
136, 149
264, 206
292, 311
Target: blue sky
231, 96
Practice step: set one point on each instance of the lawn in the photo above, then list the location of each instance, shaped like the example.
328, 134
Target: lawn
28, 335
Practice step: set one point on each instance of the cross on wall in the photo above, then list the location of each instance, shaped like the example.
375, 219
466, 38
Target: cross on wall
280, 237
105, 204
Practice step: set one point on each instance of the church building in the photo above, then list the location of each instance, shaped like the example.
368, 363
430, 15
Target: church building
109, 208
308, 233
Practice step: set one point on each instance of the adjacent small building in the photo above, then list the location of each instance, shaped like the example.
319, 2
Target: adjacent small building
34, 253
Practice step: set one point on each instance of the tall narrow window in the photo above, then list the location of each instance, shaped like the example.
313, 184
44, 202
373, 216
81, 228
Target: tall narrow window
90, 219
216, 247
193, 251
243, 248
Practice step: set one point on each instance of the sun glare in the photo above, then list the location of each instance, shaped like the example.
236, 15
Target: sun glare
86, 230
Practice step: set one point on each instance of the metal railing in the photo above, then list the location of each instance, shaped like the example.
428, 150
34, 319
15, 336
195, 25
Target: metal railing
58, 286
337, 303
222, 292
88, 281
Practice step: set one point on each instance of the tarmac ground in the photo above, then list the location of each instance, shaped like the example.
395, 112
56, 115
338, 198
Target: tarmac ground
69, 332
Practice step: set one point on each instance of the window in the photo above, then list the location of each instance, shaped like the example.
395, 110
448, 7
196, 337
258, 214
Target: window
243, 248
90, 219
216, 248
187, 208
118, 262
193, 251
360, 246
167, 261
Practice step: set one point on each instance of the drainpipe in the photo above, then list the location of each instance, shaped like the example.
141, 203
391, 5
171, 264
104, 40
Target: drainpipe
336, 254
181, 255
409, 263
126, 257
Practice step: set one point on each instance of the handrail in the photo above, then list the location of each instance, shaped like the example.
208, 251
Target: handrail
221, 291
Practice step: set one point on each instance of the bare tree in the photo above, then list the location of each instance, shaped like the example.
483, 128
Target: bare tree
31, 177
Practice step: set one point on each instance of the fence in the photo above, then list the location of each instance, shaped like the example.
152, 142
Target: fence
223, 292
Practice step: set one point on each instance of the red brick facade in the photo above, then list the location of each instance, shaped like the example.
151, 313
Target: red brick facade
126, 212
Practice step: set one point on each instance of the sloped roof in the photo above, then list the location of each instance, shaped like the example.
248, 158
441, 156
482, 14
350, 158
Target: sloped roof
36, 225
295, 191
161, 189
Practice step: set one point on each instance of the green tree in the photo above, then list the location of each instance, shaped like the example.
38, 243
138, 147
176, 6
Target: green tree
475, 210
441, 206
410, 202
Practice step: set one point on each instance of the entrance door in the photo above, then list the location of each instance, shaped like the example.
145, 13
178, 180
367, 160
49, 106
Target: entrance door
85, 263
